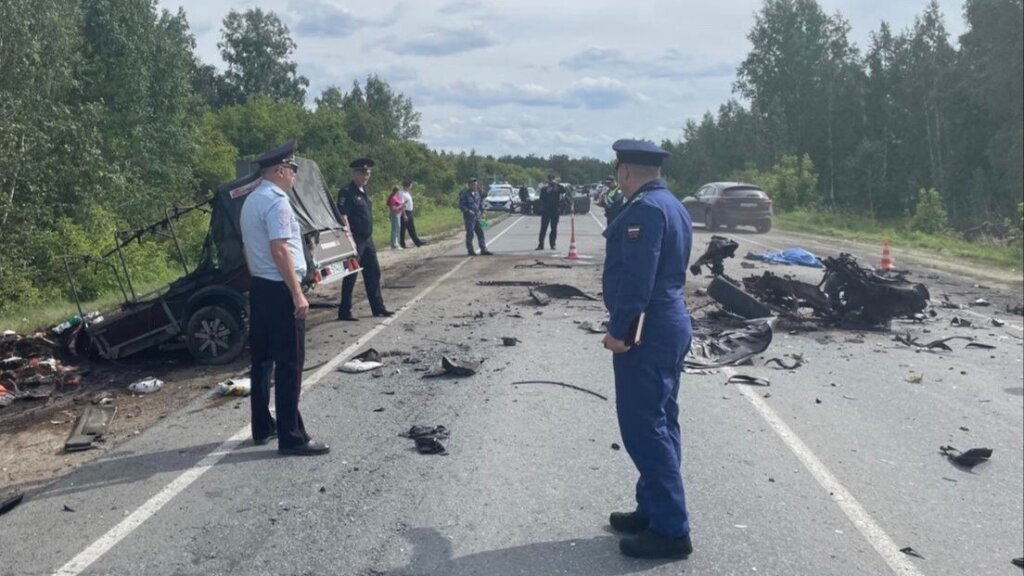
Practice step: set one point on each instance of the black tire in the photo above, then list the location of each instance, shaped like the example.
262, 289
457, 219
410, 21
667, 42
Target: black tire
214, 335
764, 226
711, 222
735, 300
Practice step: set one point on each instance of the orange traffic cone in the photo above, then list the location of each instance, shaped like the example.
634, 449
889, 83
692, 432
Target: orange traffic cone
886, 263
573, 254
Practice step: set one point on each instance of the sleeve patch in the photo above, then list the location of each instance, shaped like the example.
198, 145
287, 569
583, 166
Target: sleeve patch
633, 232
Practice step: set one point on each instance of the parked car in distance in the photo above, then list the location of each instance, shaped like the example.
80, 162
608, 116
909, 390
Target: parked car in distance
502, 197
730, 204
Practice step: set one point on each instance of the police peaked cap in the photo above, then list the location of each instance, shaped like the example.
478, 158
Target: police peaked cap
641, 152
362, 164
284, 154
471, 180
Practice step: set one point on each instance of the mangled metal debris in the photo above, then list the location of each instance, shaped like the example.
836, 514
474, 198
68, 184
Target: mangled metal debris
731, 347
940, 344
509, 340
542, 264
544, 293
797, 361
747, 379
365, 361
589, 327
90, 427
454, 367
967, 459
847, 294
428, 439
719, 248
146, 386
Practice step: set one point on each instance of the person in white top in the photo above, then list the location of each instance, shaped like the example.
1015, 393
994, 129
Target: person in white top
409, 222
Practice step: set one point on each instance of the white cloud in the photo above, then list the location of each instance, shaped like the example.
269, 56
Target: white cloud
534, 75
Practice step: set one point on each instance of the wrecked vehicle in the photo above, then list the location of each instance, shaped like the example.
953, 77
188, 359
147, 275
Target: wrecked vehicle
847, 293
205, 310
719, 248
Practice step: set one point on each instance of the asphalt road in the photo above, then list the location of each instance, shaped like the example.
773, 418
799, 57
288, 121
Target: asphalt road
830, 471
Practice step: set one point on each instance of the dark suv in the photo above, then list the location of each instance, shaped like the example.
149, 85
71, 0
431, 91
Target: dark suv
730, 204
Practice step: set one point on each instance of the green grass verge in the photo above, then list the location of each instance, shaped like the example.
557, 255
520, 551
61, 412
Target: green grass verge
27, 319
856, 227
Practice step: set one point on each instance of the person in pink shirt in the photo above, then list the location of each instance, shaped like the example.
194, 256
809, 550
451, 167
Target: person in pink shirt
396, 211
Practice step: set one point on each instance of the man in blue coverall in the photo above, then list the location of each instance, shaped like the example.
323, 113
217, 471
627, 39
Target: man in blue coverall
647, 251
472, 212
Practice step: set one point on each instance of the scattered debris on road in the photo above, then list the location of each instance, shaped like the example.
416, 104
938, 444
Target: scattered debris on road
368, 360
509, 340
544, 293
968, 459
90, 427
1019, 562
747, 379
730, 348
428, 439
719, 248
615, 446
235, 387
915, 378
911, 552
454, 367
146, 386
589, 327
542, 264
563, 384
798, 361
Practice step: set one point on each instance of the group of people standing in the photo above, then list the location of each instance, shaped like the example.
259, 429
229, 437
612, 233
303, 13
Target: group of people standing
648, 242
402, 216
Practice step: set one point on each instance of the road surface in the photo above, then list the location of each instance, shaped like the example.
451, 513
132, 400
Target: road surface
830, 471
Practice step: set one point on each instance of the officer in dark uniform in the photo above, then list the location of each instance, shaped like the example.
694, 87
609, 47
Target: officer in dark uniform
647, 251
524, 199
357, 214
611, 200
472, 209
272, 241
550, 205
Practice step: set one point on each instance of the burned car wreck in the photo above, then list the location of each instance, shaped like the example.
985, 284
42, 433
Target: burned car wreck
848, 294
205, 310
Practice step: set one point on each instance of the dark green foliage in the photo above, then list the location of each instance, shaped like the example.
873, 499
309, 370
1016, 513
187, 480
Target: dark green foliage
912, 113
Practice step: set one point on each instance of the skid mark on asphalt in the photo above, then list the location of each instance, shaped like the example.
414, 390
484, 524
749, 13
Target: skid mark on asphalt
105, 543
875, 535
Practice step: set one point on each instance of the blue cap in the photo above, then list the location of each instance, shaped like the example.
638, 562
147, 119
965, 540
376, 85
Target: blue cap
284, 154
642, 152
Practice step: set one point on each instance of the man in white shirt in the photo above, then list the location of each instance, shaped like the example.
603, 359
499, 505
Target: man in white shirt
409, 222
277, 308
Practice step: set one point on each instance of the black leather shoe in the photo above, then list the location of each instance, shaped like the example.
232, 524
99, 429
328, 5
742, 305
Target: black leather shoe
384, 314
310, 448
539, 247
486, 253
552, 246
628, 522
347, 318
471, 254
647, 544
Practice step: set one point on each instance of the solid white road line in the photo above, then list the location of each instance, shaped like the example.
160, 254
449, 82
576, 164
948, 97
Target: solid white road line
596, 220
875, 535
94, 551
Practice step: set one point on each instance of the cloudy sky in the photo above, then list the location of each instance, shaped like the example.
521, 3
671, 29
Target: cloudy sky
536, 76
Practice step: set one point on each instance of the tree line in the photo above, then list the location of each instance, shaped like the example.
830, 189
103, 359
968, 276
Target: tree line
108, 117
912, 124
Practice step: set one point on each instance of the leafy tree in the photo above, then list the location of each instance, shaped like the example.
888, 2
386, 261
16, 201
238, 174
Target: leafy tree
257, 48
930, 213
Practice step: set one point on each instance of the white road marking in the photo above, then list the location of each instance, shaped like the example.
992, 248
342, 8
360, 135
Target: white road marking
596, 220
872, 532
94, 551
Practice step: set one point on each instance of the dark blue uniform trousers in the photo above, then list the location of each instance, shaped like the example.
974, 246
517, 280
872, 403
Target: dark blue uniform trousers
473, 226
646, 391
367, 254
277, 343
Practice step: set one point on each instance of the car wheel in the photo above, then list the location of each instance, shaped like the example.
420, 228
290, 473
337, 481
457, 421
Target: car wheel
711, 221
764, 226
214, 335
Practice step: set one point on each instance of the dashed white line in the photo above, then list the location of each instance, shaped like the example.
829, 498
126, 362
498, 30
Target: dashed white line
147, 510
872, 532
